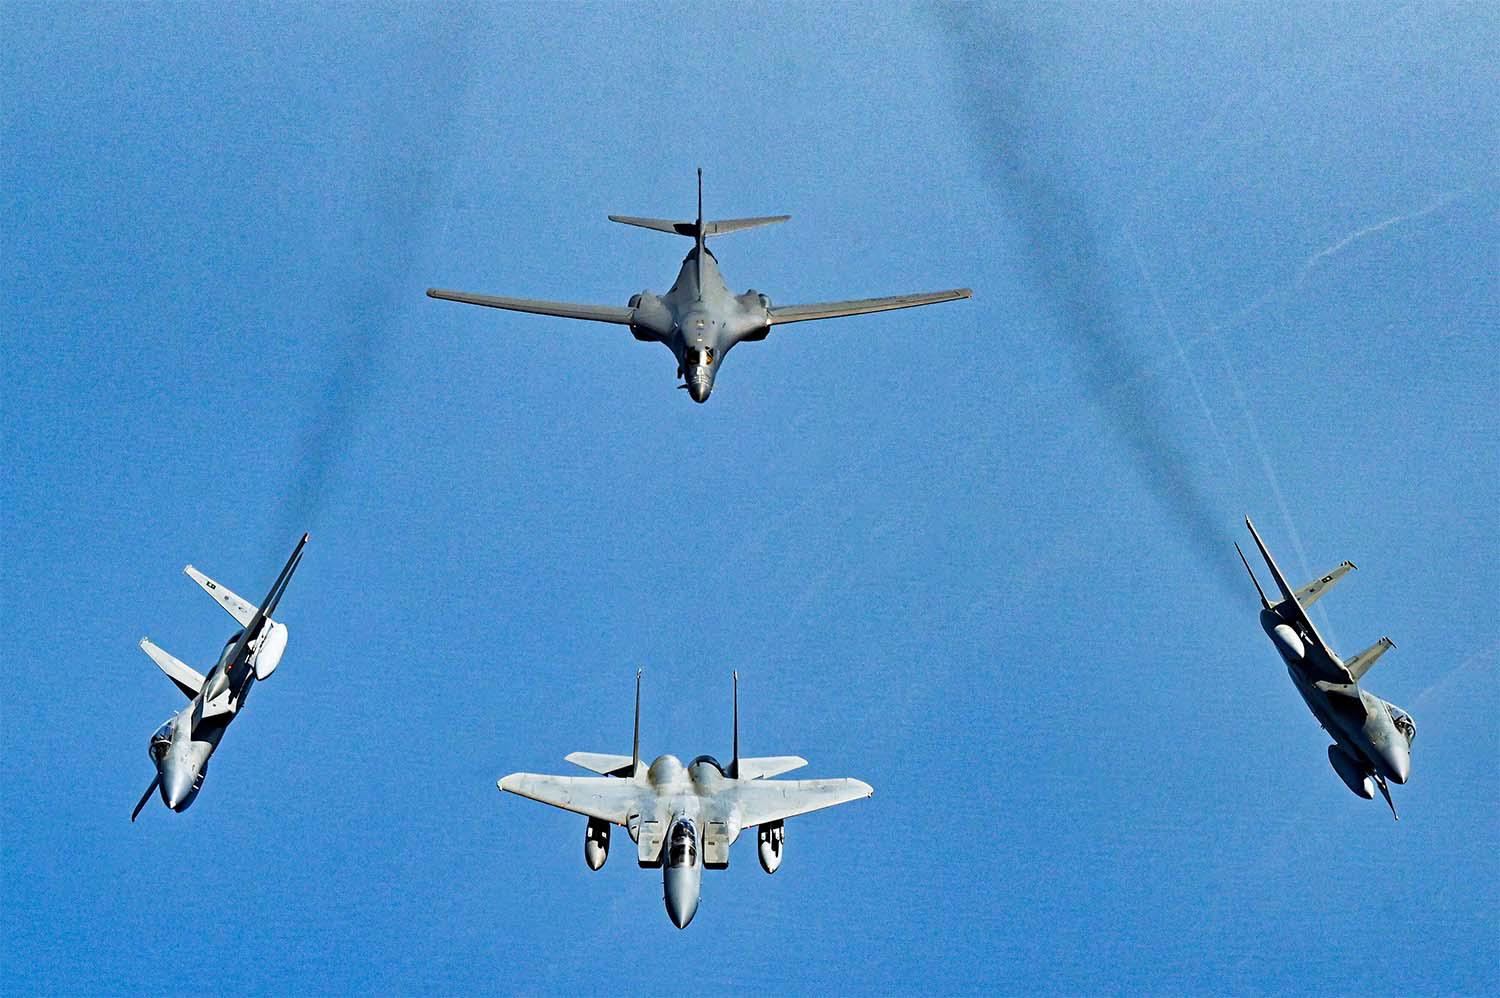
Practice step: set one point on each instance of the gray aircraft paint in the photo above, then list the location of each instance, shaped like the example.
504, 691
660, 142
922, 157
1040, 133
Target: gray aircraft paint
1372, 737
683, 819
181, 748
700, 320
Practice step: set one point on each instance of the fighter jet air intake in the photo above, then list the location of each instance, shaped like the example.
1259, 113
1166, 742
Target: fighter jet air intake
700, 320
684, 819
1371, 738
181, 747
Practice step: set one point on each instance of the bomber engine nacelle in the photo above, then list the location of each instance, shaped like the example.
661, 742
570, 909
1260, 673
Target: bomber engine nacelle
652, 320
596, 843
769, 840
270, 649
1351, 772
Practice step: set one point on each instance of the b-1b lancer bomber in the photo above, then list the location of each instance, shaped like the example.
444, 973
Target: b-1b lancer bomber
181, 747
1372, 738
700, 320
684, 819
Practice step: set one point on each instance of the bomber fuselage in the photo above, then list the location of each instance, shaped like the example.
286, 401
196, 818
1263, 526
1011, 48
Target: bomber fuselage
700, 321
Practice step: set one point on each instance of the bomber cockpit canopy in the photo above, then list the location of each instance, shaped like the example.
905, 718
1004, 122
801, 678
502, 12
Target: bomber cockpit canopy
1403, 722
683, 849
700, 356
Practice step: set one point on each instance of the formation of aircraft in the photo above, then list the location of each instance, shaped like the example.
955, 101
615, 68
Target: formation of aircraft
700, 320
683, 819
1372, 738
181, 747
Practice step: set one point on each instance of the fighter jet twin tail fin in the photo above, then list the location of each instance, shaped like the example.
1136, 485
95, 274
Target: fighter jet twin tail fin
759, 768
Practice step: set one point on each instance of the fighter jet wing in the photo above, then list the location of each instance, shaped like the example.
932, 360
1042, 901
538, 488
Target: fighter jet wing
567, 310
606, 797
762, 801
781, 314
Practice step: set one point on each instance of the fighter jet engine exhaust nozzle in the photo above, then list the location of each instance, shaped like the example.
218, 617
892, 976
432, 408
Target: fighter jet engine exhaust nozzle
268, 653
769, 839
596, 843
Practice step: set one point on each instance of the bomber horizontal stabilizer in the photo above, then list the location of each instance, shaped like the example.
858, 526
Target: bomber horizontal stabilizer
185, 677
720, 227
1360, 664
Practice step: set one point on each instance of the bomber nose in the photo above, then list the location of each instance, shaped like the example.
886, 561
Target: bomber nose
700, 390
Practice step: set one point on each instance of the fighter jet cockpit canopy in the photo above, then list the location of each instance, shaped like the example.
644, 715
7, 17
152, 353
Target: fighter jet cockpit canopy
1403, 722
683, 849
161, 739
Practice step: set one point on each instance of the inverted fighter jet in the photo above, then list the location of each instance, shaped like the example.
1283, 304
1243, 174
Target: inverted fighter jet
684, 819
1372, 738
181, 747
700, 320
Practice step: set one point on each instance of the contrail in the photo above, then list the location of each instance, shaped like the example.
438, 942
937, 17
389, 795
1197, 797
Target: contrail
1336, 248
995, 82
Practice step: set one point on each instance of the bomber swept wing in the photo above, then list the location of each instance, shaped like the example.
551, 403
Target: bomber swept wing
780, 315
566, 310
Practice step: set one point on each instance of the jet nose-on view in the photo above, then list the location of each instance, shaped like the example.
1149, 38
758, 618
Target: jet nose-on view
698, 366
682, 877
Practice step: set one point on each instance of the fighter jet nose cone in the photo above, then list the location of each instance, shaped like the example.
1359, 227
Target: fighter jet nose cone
700, 390
1401, 767
681, 917
176, 787
682, 901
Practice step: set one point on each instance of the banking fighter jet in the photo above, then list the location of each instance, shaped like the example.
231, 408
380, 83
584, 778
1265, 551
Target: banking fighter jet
700, 320
683, 819
181, 747
1371, 738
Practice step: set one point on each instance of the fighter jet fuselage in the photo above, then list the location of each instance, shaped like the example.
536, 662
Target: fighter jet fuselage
1363, 727
683, 819
1372, 737
181, 748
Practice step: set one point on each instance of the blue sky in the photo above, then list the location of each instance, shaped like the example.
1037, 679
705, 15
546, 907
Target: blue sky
978, 555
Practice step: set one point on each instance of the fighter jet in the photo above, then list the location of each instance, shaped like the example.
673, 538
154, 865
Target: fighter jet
700, 320
1372, 738
181, 747
684, 819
